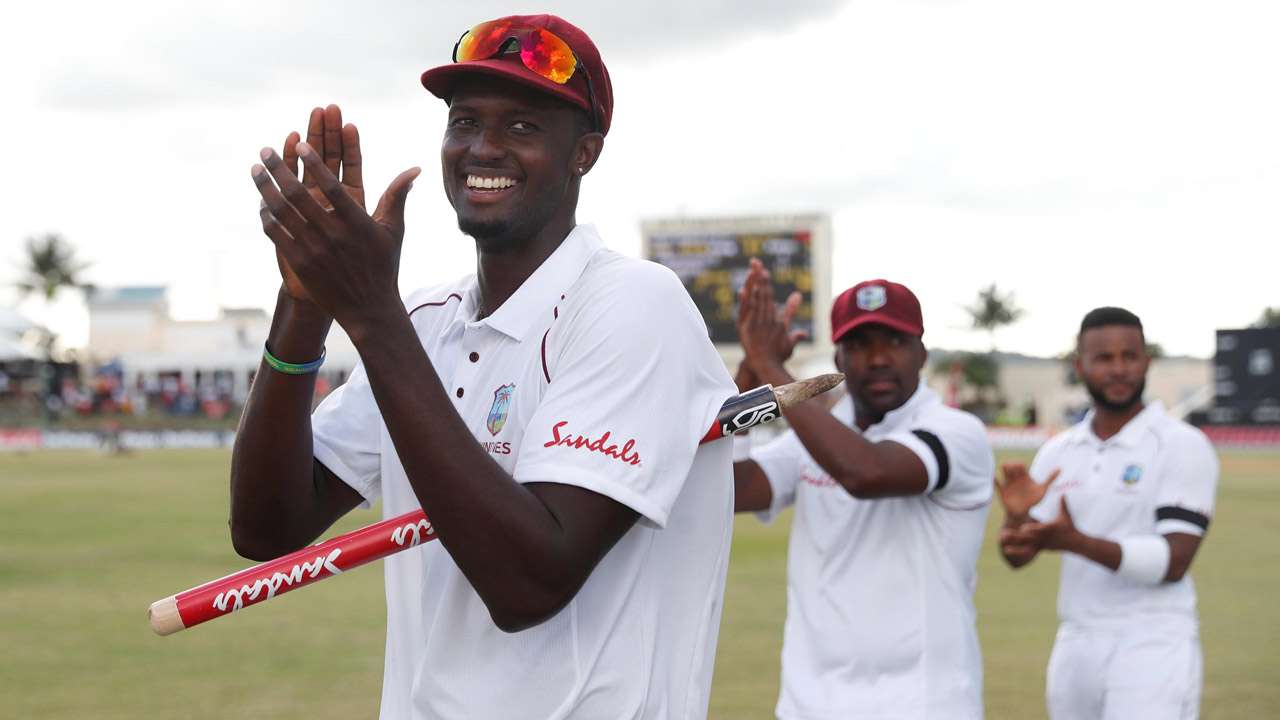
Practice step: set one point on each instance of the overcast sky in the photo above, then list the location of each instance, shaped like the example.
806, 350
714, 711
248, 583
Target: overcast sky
1077, 154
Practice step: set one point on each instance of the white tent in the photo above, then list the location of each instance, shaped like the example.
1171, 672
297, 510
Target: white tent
13, 326
12, 349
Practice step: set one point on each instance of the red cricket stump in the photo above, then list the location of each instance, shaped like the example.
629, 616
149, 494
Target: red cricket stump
359, 547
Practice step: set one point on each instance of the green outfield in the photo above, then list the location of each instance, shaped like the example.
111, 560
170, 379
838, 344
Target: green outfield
88, 541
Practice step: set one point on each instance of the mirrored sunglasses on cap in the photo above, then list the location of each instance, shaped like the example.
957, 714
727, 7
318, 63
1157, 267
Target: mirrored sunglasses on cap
541, 51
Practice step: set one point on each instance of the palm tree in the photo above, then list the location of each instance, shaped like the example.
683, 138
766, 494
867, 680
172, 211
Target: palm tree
50, 266
992, 311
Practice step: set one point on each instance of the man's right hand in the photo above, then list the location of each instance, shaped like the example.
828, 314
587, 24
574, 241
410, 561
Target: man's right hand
1015, 551
340, 147
1018, 492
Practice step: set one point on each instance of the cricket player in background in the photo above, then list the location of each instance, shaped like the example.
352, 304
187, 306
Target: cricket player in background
1126, 495
891, 490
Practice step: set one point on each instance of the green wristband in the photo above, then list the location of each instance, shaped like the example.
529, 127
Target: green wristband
288, 368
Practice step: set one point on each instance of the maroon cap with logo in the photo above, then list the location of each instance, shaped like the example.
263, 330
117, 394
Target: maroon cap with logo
876, 301
589, 87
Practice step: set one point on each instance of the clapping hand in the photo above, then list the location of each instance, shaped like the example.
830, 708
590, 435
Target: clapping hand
764, 329
1018, 493
331, 252
1057, 534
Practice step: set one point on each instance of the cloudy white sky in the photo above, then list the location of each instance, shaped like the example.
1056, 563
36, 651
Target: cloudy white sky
1077, 154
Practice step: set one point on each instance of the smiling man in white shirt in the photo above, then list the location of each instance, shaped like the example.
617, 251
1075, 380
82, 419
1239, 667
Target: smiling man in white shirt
545, 411
891, 490
1126, 495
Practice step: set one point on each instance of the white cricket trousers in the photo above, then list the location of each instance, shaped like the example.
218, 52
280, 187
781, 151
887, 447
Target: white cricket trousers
1143, 671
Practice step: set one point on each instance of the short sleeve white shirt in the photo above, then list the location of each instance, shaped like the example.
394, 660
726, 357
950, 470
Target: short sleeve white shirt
880, 617
598, 373
1158, 475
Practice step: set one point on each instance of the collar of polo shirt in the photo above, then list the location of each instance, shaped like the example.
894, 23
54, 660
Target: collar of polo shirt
527, 310
1128, 436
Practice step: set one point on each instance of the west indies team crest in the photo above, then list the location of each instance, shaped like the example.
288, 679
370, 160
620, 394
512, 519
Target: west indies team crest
872, 298
1132, 474
501, 406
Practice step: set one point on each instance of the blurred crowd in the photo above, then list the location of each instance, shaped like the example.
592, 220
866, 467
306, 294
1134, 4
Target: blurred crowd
61, 392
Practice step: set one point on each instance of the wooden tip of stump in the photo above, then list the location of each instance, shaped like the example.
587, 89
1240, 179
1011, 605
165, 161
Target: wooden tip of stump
164, 617
801, 390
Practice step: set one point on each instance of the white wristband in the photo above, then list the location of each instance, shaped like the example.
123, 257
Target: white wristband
1144, 559
741, 447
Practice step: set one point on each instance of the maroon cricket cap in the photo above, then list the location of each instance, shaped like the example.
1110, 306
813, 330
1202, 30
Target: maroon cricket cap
876, 301
592, 91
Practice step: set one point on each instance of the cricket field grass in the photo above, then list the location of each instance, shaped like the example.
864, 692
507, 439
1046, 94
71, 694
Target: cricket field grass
88, 541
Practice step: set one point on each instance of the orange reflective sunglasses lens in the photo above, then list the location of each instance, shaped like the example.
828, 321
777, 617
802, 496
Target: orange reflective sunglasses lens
540, 51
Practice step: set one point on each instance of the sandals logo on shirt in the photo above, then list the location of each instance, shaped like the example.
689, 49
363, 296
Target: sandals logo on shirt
1132, 474
817, 478
601, 445
501, 406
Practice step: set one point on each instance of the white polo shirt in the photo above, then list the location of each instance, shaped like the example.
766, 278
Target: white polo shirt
1158, 475
597, 372
880, 618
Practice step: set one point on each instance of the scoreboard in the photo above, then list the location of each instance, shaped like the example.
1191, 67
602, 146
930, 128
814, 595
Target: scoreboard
1246, 372
711, 258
